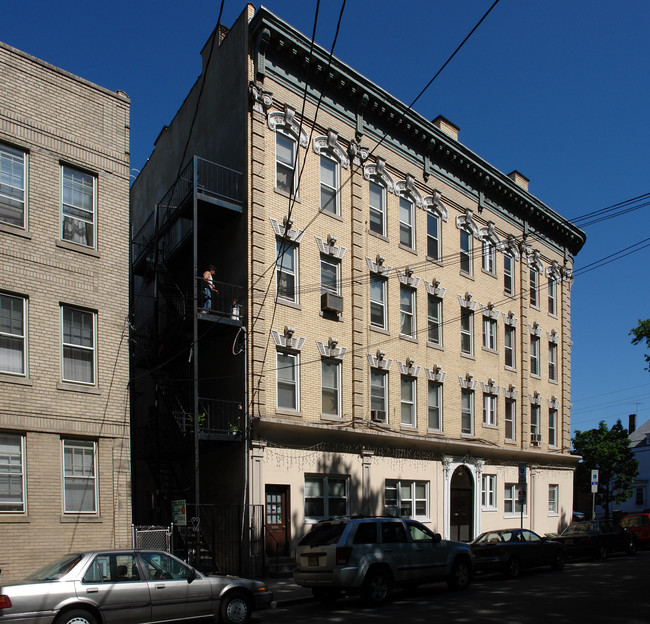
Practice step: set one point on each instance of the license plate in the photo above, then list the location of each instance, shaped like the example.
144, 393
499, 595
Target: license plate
312, 560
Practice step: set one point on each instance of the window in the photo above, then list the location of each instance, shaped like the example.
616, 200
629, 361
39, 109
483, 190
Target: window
534, 356
79, 470
285, 163
510, 346
434, 318
288, 380
377, 209
489, 333
511, 504
489, 257
639, 496
410, 498
465, 252
78, 206
552, 427
408, 401
329, 275
378, 394
508, 275
534, 421
534, 288
329, 185
466, 331
331, 387
552, 361
78, 345
378, 302
407, 311
287, 271
13, 334
552, 292
433, 236
467, 412
13, 176
406, 227
552, 500
326, 497
510, 419
435, 406
488, 492
12, 483
489, 409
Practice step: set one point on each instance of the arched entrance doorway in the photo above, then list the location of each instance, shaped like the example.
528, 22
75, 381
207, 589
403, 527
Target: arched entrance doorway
461, 505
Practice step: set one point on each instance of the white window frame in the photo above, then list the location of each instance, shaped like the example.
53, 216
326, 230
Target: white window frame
467, 331
467, 412
379, 391
434, 320
75, 346
394, 497
291, 167
552, 426
10, 335
553, 498
510, 350
535, 413
71, 186
466, 263
12, 472
283, 248
510, 419
377, 304
288, 382
535, 363
333, 206
434, 407
9, 190
489, 409
324, 287
488, 250
406, 227
433, 240
489, 333
534, 288
327, 483
489, 491
336, 389
78, 446
407, 309
508, 274
552, 297
552, 361
380, 210
408, 404
511, 506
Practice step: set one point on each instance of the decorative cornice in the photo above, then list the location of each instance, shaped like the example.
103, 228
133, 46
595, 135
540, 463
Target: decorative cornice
330, 145
533, 258
407, 278
510, 320
510, 246
433, 203
331, 350
434, 289
286, 120
466, 301
489, 234
553, 402
357, 153
467, 382
378, 170
553, 271
329, 248
286, 340
490, 312
260, 99
535, 329
490, 388
553, 337
285, 230
379, 360
379, 268
409, 368
510, 392
466, 222
407, 187
535, 398
435, 374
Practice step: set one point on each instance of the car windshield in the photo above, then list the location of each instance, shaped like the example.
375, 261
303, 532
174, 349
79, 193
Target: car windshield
577, 527
635, 521
54, 571
323, 534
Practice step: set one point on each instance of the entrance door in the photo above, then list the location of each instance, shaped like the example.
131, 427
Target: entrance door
461, 507
277, 520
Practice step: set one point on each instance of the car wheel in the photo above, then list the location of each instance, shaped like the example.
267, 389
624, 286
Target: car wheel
235, 608
513, 567
76, 616
326, 596
376, 587
559, 560
601, 553
461, 574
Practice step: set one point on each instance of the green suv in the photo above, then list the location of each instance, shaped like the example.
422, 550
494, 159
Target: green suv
371, 555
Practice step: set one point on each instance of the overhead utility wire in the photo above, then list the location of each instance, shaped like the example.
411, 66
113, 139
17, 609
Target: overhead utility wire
603, 211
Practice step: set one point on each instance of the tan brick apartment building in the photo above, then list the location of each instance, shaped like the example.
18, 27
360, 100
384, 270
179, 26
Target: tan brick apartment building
403, 342
64, 402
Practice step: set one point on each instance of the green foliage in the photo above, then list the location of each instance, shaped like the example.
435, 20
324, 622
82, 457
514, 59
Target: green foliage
642, 332
608, 451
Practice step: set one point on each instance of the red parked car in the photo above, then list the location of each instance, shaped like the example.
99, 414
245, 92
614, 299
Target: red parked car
639, 524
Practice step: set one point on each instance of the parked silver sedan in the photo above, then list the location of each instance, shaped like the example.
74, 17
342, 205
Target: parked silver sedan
128, 587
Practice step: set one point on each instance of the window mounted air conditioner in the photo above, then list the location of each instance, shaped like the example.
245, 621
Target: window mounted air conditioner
535, 438
378, 416
331, 303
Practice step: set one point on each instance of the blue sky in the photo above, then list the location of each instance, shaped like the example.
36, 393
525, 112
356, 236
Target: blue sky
557, 89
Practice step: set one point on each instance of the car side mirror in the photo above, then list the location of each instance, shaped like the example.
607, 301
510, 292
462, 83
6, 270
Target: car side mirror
437, 538
192, 576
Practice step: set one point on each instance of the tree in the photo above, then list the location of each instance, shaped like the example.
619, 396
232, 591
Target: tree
642, 332
608, 451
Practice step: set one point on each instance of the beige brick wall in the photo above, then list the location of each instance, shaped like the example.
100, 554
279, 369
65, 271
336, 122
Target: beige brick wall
57, 118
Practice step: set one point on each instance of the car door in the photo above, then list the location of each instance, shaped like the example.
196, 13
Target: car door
536, 551
177, 592
396, 548
429, 554
113, 583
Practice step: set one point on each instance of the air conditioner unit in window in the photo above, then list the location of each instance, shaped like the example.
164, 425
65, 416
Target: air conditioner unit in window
535, 438
331, 303
378, 415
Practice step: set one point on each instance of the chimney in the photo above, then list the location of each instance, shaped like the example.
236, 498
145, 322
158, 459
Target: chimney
519, 179
632, 424
450, 129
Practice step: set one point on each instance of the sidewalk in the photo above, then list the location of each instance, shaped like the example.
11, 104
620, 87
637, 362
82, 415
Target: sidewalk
286, 592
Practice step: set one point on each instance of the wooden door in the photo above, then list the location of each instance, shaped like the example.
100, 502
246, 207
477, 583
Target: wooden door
277, 520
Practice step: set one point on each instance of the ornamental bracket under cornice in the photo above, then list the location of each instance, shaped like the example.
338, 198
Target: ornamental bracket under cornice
262, 100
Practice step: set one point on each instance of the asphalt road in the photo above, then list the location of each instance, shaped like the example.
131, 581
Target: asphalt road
615, 591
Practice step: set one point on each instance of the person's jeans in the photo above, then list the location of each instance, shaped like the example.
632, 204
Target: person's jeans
207, 299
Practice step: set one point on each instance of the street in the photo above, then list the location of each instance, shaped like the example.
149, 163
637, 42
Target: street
585, 591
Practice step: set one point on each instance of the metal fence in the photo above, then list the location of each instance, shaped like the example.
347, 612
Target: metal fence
152, 538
